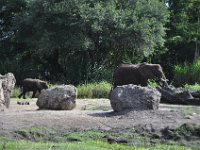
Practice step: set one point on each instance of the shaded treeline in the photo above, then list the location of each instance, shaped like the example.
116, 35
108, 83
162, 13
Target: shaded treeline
75, 42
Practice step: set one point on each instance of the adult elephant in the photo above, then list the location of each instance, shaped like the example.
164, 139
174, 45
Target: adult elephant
33, 85
138, 74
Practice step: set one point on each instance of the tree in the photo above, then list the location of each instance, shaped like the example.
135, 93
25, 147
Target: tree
182, 40
184, 27
194, 25
7, 11
77, 40
8, 46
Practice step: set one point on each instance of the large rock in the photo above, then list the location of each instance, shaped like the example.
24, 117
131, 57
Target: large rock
174, 95
58, 98
133, 97
7, 84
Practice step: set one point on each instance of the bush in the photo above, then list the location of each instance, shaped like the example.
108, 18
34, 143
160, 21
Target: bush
152, 84
15, 92
187, 74
195, 87
94, 90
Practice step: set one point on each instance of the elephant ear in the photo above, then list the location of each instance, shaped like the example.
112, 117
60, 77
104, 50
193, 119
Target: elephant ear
44, 85
157, 70
39, 86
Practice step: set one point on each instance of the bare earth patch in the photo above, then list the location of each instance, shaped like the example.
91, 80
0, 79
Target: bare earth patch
96, 114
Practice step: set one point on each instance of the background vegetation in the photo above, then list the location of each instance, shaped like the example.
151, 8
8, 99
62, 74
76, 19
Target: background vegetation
80, 42
187, 73
91, 90
94, 90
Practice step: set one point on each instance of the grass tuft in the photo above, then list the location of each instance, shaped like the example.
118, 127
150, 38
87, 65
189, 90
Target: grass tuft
188, 73
45, 138
195, 87
94, 90
152, 84
15, 92
91, 90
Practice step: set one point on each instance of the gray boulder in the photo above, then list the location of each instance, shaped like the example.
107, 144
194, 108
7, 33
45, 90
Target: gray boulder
7, 84
133, 97
58, 98
172, 95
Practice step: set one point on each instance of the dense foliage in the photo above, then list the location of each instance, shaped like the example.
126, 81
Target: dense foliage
71, 41
188, 73
183, 35
75, 41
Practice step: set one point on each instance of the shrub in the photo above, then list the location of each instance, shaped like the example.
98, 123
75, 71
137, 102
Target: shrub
91, 90
195, 87
152, 84
187, 74
94, 90
15, 92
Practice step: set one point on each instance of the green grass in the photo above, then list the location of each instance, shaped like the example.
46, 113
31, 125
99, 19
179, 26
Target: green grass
6, 144
94, 90
187, 73
15, 92
187, 111
91, 90
42, 138
36, 133
152, 84
194, 87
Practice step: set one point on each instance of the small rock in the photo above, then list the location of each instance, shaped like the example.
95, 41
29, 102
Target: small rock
189, 117
23, 103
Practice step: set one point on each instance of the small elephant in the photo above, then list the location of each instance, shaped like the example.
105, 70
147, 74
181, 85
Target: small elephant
138, 74
33, 85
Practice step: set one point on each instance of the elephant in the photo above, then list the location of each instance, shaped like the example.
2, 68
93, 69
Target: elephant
33, 85
138, 74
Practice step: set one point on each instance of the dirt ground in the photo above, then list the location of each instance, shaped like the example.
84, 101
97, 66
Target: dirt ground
95, 114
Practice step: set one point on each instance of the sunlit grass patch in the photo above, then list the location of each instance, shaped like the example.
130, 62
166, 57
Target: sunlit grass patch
152, 84
194, 87
15, 92
187, 73
94, 90
45, 138
36, 133
89, 145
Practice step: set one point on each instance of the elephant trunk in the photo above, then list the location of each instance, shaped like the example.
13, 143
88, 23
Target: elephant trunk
163, 79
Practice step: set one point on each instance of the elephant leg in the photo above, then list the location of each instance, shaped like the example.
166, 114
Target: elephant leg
39, 90
34, 92
24, 95
20, 95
